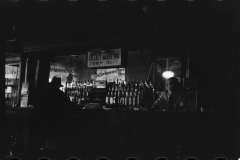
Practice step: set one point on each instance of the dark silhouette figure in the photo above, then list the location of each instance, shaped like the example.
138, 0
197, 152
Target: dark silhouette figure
53, 112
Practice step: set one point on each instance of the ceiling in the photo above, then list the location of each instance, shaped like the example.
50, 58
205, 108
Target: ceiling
60, 24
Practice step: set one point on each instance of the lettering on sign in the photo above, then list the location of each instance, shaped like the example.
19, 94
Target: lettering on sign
59, 70
104, 58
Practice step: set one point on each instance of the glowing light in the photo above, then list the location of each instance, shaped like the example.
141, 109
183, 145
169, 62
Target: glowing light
167, 74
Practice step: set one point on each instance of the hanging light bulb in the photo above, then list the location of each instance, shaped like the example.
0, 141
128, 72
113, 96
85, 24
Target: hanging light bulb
168, 74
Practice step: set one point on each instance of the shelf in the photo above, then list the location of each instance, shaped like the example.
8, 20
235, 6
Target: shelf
11, 84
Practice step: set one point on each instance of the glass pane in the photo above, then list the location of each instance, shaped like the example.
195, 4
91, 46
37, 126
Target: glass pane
12, 75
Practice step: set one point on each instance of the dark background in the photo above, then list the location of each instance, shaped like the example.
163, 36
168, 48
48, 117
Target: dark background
206, 30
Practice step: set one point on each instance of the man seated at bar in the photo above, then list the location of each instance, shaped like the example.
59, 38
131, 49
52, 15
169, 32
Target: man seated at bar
173, 99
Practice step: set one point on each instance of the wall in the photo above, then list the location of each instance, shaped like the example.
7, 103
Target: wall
138, 66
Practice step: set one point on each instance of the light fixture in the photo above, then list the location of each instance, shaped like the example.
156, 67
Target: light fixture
168, 74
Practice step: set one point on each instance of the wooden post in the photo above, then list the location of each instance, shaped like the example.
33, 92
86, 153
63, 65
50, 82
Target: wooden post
2, 71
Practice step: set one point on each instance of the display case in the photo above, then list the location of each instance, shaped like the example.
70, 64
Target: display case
12, 82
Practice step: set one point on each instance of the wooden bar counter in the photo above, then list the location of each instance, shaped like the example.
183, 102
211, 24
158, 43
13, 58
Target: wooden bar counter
142, 134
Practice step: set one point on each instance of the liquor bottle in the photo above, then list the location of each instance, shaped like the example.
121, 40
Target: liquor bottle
88, 83
126, 99
91, 86
117, 85
76, 88
111, 98
85, 84
83, 95
151, 91
132, 86
138, 100
65, 89
123, 98
114, 98
107, 99
119, 97
134, 99
130, 99
87, 92
146, 84
79, 89
81, 85
79, 99
80, 96
136, 86
69, 89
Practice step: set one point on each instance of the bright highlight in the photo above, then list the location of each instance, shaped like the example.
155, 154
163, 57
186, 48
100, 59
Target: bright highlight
167, 74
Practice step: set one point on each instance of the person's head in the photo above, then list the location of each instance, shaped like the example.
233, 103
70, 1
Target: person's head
172, 84
56, 82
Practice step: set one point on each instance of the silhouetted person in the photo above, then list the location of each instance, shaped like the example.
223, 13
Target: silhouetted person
173, 99
53, 112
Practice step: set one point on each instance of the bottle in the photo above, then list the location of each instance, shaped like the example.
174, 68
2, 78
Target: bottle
85, 84
65, 91
91, 86
107, 99
130, 99
117, 85
83, 95
80, 96
76, 88
81, 86
138, 100
111, 98
134, 99
119, 97
151, 91
126, 99
114, 98
79, 99
87, 92
123, 98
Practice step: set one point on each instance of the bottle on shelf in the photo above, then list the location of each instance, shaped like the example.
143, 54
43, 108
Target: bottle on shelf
126, 99
79, 99
130, 98
83, 95
123, 98
134, 99
85, 84
119, 97
107, 99
138, 100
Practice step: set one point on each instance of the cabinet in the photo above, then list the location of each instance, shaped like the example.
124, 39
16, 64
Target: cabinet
12, 82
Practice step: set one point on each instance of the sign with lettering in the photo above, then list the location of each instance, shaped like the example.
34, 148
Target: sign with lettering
111, 74
104, 58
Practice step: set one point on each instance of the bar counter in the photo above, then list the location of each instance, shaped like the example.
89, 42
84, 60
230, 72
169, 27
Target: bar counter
122, 133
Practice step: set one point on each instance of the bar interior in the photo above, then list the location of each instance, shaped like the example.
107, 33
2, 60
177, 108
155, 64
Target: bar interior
120, 80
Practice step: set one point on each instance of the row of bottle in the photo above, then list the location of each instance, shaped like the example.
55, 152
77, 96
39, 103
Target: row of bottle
10, 100
143, 88
78, 91
11, 81
122, 98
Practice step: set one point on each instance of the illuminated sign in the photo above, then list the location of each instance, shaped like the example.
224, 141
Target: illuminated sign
104, 58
